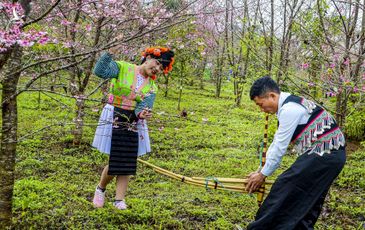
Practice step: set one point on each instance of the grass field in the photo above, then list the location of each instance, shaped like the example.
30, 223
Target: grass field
55, 180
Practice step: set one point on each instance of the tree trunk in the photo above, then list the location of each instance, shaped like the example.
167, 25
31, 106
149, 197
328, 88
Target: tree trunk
79, 91
338, 108
79, 119
181, 84
202, 72
239, 84
271, 45
238, 93
9, 136
166, 86
220, 62
218, 83
282, 47
4, 58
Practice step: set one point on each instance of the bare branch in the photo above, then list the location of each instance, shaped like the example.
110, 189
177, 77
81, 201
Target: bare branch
43, 15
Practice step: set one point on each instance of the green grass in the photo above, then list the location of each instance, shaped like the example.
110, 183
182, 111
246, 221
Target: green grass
55, 181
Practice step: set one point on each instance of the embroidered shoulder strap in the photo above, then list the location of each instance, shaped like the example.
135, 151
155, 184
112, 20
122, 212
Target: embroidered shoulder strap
310, 106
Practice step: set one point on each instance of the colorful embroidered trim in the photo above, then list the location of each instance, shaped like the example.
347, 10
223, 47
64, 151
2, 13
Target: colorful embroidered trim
327, 142
312, 139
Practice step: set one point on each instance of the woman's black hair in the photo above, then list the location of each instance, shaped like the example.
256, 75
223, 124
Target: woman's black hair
263, 86
165, 58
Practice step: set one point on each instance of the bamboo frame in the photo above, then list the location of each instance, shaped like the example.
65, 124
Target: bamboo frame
229, 183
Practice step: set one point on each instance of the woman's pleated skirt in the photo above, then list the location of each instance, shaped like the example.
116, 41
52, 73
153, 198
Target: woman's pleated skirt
124, 143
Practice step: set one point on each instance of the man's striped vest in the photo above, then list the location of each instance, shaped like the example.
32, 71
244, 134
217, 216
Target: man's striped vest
320, 135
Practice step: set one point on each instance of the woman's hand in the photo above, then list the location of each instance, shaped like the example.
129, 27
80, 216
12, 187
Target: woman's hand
145, 114
116, 49
255, 180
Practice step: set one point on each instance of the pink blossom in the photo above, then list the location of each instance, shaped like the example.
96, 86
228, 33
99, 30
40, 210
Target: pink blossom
2, 49
143, 21
73, 29
65, 22
43, 40
15, 29
67, 44
311, 84
332, 65
41, 33
356, 89
25, 43
347, 61
335, 57
305, 65
331, 94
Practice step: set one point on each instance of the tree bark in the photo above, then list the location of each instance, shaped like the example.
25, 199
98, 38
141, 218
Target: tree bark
79, 91
9, 136
182, 65
166, 85
202, 72
219, 70
79, 120
271, 44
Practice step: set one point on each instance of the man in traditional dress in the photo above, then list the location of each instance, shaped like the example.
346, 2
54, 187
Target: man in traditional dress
296, 198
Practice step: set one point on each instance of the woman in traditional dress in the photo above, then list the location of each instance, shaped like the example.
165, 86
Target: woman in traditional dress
122, 131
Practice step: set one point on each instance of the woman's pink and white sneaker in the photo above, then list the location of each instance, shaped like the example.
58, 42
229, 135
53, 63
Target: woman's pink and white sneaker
120, 204
99, 198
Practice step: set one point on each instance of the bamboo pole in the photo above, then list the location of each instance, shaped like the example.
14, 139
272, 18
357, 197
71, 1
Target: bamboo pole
231, 180
198, 182
260, 195
211, 185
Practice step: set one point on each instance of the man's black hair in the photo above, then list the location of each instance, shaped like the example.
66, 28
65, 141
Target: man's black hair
263, 86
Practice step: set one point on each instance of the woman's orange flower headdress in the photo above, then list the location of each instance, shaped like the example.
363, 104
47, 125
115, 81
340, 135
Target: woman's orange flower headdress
163, 55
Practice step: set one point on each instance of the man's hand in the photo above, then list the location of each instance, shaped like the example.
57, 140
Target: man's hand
145, 114
255, 180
